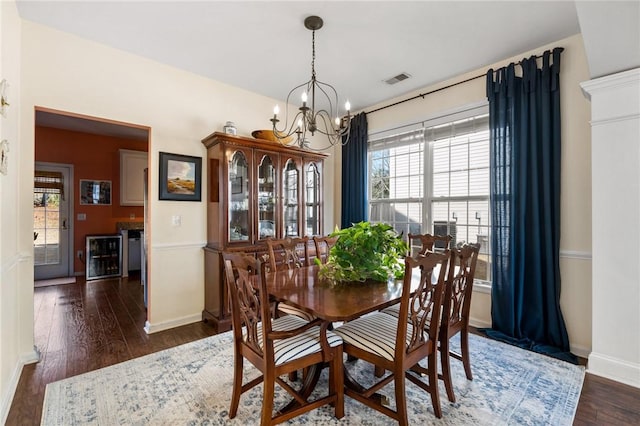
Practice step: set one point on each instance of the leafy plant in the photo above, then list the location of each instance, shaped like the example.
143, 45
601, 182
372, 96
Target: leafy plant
365, 251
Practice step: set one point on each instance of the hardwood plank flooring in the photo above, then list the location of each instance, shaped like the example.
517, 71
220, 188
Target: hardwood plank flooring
89, 325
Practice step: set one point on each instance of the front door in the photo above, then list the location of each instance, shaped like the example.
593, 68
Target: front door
51, 196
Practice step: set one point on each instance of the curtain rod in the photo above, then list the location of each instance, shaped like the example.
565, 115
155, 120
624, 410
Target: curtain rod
422, 95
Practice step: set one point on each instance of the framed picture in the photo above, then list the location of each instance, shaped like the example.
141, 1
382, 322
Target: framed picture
95, 192
180, 177
236, 185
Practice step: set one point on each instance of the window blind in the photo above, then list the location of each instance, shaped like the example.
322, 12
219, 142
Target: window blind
48, 183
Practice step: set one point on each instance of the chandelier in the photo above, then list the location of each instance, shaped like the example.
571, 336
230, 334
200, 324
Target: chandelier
315, 115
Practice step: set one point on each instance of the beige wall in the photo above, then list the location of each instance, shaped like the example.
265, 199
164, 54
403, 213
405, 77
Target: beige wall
575, 242
68, 73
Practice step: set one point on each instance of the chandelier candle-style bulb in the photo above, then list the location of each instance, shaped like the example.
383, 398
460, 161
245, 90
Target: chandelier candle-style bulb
317, 114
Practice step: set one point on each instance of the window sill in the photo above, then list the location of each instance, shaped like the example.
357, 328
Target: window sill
482, 286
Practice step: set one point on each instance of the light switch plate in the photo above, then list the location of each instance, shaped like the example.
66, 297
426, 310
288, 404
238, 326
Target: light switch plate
176, 220
82, 216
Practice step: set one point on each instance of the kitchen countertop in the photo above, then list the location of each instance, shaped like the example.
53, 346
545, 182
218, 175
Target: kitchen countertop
130, 226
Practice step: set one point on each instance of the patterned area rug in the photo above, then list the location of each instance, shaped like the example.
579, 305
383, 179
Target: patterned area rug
191, 385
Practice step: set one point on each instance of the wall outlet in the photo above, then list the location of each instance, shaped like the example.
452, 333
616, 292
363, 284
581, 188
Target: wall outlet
82, 216
132, 216
79, 254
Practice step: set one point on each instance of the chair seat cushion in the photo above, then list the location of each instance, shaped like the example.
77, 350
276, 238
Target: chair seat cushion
292, 348
292, 310
375, 333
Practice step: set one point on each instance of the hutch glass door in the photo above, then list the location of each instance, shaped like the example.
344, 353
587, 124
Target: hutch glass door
290, 199
312, 200
266, 198
239, 229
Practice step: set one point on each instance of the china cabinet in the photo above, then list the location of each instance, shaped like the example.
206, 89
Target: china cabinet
257, 189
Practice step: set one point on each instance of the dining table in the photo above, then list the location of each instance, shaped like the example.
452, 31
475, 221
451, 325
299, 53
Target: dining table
329, 301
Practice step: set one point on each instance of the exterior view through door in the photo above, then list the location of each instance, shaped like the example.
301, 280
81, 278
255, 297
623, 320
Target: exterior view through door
51, 195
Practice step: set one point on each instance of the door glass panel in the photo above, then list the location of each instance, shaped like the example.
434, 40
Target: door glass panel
312, 186
266, 198
290, 199
46, 230
238, 198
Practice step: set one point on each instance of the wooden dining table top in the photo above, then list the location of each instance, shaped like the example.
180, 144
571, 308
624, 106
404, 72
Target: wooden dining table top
301, 287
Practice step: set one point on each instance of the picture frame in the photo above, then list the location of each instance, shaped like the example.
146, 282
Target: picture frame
180, 177
236, 185
95, 192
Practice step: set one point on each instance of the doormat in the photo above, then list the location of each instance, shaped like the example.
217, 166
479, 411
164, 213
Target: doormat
54, 281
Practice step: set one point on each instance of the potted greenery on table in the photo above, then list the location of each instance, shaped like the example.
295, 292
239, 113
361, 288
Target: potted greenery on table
363, 252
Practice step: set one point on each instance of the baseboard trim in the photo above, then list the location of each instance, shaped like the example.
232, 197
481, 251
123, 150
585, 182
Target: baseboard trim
27, 358
580, 351
614, 369
166, 325
474, 322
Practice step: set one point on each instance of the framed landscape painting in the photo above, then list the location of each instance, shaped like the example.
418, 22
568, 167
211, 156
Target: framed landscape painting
180, 177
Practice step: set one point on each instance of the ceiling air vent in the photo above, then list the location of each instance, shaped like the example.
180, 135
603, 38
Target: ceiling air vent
398, 78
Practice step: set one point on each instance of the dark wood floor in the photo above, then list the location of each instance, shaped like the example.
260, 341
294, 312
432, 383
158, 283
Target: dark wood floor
85, 326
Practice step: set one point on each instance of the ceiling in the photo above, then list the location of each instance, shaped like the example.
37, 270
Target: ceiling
263, 47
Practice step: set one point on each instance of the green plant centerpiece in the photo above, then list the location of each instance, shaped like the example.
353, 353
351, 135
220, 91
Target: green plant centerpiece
363, 252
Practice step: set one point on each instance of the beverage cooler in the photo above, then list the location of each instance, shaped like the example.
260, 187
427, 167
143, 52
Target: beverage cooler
103, 256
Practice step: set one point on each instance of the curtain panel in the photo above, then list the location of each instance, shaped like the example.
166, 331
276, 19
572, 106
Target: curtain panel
354, 173
525, 205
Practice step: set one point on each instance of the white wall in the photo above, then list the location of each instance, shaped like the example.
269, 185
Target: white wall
16, 317
615, 121
575, 242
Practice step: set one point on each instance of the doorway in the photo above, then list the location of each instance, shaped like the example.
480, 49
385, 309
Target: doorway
51, 225
91, 148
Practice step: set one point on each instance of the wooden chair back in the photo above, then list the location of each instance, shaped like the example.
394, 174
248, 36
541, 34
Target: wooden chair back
323, 246
459, 288
430, 242
246, 301
455, 311
421, 306
288, 253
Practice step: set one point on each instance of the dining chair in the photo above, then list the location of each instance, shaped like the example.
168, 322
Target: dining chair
429, 242
397, 346
289, 253
455, 311
323, 246
277, 346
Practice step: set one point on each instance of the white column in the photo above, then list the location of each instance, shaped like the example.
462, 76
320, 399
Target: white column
615, 149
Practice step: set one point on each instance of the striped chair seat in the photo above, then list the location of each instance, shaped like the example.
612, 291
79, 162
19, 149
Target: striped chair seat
285, 308
374, 333
304, 344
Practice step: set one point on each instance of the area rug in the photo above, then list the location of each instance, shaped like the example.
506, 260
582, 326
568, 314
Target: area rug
54, 281
191, 385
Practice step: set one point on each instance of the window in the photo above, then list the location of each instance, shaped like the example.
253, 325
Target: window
434, 178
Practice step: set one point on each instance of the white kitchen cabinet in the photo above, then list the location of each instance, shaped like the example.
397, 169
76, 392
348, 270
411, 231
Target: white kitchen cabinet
132, 165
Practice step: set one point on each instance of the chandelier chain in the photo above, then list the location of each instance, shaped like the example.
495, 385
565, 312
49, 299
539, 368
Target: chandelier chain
313, 54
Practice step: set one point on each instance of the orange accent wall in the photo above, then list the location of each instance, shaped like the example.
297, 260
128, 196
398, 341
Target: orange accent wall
94, 157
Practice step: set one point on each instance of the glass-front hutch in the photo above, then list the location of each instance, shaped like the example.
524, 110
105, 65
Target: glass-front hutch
257, 189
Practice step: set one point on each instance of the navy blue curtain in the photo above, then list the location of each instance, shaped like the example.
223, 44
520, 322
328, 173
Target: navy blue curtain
525, 206
354, 173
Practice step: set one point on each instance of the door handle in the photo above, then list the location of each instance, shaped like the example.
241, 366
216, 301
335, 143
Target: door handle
64, 223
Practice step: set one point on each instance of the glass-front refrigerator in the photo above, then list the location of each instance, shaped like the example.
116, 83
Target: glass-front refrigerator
103, 256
